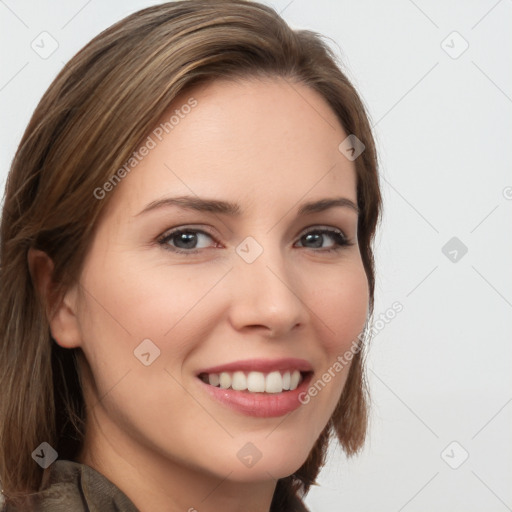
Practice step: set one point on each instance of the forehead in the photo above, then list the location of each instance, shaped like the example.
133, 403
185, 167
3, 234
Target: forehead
245, 140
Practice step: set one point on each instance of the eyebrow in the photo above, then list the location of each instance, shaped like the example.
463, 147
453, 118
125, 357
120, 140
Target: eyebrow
232, 209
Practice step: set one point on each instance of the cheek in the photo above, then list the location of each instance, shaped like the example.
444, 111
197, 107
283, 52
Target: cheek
126, 304
126, 301
127, 295
341, 307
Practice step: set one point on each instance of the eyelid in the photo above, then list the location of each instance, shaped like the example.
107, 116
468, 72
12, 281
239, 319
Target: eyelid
184, 228
314, 227
206, 230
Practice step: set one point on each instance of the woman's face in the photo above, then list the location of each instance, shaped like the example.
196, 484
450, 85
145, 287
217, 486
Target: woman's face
258, 293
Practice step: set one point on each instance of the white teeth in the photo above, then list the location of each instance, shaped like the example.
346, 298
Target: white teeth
274, 383
294, 380
286, 380
225, 380
214, 379
239, 382
256, 382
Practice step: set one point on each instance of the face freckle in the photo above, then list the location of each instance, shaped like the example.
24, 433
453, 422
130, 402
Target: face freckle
251, 291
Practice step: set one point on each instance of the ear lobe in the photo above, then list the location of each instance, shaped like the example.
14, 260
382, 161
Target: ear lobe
60, 312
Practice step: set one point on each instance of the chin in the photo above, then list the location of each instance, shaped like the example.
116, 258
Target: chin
263, 471
259, 461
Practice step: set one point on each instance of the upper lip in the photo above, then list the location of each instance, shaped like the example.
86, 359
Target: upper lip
261, 365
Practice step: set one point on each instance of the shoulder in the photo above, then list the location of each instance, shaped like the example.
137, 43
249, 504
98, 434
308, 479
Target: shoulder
78, 487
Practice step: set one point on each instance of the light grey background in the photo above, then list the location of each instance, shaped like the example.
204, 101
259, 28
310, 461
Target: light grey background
440, 370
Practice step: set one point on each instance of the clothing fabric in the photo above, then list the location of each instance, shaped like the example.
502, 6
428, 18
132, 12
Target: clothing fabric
75, 487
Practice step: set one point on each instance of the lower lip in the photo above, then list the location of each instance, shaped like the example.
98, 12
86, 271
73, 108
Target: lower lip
259, 405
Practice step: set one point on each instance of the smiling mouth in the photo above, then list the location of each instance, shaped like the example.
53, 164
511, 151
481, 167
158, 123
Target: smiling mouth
256, 382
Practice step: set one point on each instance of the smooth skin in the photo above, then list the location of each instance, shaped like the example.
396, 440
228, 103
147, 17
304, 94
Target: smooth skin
269, 146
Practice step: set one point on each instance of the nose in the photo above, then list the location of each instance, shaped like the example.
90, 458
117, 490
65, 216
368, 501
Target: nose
266, 295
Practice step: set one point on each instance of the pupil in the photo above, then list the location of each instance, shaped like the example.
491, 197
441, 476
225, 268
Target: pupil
187, 238
318, 242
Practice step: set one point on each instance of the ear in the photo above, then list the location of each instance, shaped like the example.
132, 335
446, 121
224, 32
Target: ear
61, 312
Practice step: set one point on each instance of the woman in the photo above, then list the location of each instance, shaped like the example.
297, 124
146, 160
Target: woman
187, 269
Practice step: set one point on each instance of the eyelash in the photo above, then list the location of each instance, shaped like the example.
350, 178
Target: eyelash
340, 239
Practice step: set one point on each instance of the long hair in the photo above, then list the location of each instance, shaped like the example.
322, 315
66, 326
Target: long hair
94, 115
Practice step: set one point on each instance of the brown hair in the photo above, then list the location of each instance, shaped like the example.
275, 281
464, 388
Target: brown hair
91, 119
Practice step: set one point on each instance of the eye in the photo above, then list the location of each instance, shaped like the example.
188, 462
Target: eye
317, 236
185, 240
